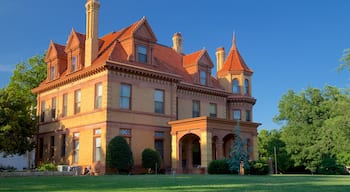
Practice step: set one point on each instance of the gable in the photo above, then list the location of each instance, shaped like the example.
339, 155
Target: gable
205, 60
73, 41
144, 32
51, 52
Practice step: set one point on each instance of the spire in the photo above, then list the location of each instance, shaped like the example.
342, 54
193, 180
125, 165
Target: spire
234, 40
91, 42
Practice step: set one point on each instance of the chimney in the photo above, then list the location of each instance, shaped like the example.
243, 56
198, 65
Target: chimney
91, 41
177, 42
220, 58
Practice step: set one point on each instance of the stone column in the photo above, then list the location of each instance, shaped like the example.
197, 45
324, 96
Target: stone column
206, 150
174, 153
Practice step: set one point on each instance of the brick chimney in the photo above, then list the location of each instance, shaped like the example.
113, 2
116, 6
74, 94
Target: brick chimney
220, 58
177, 42
91, 42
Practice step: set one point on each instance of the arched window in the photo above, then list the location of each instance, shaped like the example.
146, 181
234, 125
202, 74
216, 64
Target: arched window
246, 87
235, 86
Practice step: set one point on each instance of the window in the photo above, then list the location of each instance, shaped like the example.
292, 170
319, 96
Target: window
246, 87
159, 101
203, 77
76, 147
236, 114
74, 63
65, 105
247, 115
97, 145
142, 54
53, 109
159, 143
98, 96
125, 96
195, 108
126, 133
52, 73
52, 147
235, 86
41, 148
212, 110
63, 145
42, 117
77, 100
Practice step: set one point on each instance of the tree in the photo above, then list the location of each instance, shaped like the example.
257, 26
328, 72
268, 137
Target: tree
17, 107
268, 140
119, 155
237, 152
315, 126
151, 159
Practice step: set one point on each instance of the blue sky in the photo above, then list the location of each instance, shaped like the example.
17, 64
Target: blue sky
289, 44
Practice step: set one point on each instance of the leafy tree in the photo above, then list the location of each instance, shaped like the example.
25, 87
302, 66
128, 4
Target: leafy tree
315, 126
119, 155
267, 141
151, 159
17, 107
238, 154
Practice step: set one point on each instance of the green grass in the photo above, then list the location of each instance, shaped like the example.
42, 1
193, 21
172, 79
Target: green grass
181, 183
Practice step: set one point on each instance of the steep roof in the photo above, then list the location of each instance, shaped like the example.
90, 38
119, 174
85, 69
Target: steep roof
234, 61
164, 59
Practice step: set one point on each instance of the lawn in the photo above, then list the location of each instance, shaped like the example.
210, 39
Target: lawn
182, 183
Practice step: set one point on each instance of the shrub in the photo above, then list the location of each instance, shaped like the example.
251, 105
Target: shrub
48, 167
151, 159
119, 155
258, 168
7, 168
218, 167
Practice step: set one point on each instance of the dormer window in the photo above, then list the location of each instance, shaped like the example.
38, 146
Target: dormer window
52, 73
74, 63
203, 77
141, 54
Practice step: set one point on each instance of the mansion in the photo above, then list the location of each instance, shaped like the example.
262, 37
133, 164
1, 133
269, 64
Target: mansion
127, 84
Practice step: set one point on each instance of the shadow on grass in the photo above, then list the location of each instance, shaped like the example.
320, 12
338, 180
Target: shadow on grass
181, 183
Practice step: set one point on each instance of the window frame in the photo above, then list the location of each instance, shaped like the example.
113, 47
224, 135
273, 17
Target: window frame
236, 89
246, 87
126, 136
122, 97
234, 113
98, 95
77, 101
141, 56
159, 103
64, 105
43, 110
76, 146
74, 63
53, 108
196, 113
97, 149
216, 110
203, 80
248, 116
52, 72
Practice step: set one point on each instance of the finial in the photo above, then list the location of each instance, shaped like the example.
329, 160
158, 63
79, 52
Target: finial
234, 39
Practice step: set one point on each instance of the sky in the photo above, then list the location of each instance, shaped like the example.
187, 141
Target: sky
289, 44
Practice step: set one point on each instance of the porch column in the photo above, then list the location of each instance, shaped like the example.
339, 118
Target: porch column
174, 153
206, 150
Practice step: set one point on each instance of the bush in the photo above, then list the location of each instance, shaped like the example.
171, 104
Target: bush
258, 168
48, 167
7, 168
218, 167
119, 155
151, 158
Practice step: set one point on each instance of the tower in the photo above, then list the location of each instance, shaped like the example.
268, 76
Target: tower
91, 42
235, 77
